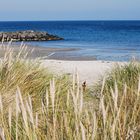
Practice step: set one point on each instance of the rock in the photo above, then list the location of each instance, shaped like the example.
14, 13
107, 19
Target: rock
28, 35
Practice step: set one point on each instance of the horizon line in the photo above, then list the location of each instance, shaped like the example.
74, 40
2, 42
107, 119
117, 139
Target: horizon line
70, 20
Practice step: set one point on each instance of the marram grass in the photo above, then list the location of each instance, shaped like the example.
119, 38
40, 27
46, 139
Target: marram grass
36, 105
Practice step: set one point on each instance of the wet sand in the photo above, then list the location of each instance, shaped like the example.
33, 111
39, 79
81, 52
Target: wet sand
48, 53
36, 51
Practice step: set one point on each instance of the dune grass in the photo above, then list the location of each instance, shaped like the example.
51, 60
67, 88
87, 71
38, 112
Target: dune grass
128, 74
36, 105
120, 101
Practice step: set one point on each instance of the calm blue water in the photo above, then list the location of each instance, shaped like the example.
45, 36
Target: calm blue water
106, 40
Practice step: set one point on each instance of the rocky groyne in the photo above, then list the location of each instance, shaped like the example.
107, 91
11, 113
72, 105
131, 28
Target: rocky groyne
28, 35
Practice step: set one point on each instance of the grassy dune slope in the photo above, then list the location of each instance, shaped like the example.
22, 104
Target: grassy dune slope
35, 104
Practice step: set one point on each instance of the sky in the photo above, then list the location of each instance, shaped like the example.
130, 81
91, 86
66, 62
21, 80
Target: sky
28, 10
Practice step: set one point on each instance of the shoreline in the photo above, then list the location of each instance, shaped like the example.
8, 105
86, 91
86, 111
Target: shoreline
60, 53
35, 51
48, 53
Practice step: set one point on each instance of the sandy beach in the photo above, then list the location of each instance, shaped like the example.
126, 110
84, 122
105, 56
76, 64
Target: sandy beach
89, 71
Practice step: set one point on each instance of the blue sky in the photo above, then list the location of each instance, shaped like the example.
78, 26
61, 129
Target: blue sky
69, 10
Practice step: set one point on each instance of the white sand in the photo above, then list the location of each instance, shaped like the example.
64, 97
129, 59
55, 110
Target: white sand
89, 71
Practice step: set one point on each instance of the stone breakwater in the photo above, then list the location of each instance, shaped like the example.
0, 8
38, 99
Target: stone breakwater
27, 36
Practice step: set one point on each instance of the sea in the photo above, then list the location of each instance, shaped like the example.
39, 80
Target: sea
104, 40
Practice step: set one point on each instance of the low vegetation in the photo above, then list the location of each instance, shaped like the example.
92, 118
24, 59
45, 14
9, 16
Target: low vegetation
120, 102
37, 105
